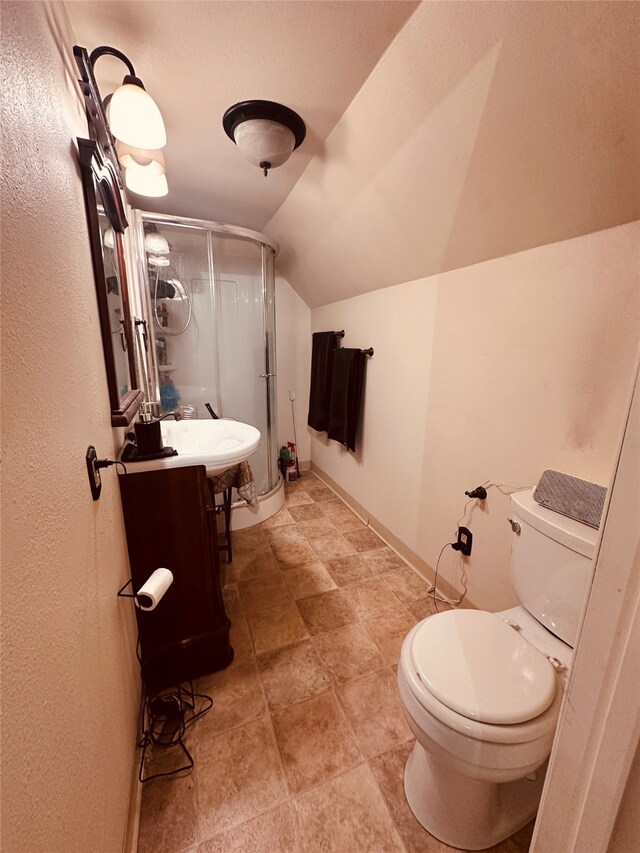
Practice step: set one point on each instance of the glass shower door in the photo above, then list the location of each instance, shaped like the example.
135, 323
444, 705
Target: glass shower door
182, 319
243, 300
208, 291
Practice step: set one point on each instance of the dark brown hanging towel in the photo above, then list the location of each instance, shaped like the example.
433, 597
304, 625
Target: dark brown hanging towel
346, 395
322, 350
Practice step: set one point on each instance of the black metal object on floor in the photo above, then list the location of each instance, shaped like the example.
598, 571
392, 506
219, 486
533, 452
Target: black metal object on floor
166, 716
225, 509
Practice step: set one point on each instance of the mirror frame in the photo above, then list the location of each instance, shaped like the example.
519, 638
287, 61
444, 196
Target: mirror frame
102, 185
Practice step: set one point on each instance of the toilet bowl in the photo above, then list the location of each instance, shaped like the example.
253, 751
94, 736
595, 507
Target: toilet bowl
483, 703
482, 691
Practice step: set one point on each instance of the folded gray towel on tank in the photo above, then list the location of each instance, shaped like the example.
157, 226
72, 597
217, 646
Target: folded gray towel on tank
571, 496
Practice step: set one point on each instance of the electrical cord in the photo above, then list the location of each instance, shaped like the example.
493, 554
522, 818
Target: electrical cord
106, 463
432, 592
436, 596
464, 512
164, 718
163, 722
489, 484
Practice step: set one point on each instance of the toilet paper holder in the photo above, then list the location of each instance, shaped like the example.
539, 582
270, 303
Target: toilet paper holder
123, 594
140, 600
152, 590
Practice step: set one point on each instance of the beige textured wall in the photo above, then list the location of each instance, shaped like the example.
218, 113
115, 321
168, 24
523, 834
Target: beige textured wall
293, 363
491, 372
487, 128
69, 675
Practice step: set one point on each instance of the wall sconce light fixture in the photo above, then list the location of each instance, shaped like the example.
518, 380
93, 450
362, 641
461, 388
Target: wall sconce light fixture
109, 238
131, 116
266, 133
130, 157
144, 181
155, 243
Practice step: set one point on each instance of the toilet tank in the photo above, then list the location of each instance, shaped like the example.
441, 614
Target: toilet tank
551, 564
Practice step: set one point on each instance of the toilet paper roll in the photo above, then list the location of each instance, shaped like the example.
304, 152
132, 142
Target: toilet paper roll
153, 589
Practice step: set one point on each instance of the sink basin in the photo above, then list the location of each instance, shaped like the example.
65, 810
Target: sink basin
215, 444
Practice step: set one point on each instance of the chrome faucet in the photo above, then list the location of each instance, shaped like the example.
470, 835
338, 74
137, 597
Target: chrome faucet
147, 416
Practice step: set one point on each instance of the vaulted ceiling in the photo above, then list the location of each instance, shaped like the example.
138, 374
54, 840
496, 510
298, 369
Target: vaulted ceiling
440, 134
486, 129
198, 58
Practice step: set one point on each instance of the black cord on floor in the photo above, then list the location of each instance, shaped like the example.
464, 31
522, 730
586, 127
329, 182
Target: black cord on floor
165, 718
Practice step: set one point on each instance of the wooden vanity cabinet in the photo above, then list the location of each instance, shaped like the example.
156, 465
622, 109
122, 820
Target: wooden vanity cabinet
170, 522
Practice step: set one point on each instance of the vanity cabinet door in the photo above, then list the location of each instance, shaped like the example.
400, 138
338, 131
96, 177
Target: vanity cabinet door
169, 524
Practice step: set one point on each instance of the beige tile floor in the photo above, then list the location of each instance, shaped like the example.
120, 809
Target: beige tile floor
305, 746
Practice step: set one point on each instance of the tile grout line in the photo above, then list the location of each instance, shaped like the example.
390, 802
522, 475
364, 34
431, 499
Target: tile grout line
334, 683
359, 619
291, 797
265, 715
334, 687
270, 713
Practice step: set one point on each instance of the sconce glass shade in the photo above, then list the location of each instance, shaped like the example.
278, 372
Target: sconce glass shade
144, 181
130, 157
156, 244
134, 117
109, 238
156, 261
263, 140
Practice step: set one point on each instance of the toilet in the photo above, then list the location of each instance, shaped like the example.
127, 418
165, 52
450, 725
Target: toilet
482, 691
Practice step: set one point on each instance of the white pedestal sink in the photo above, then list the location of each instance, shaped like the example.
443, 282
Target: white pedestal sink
216, 444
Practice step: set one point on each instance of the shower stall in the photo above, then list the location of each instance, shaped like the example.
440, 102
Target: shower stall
205, 291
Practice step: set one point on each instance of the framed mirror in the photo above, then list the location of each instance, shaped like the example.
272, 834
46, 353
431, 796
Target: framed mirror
107, 223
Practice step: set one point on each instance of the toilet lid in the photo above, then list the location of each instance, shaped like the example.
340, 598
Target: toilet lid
481, 668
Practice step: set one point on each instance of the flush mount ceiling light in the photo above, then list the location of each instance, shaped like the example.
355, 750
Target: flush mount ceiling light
264, 131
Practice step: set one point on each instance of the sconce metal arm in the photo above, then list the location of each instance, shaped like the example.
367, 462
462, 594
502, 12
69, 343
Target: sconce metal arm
104, 50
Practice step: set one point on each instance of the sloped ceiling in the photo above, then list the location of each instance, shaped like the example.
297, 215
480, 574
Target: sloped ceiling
486, 129
198, 58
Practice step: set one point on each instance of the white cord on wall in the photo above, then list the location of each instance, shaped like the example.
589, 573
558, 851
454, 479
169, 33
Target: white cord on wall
433, 592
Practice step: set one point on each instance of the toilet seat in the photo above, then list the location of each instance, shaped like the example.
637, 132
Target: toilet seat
479, 667
443, 716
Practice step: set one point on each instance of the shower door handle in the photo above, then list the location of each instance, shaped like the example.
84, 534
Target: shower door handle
265, 375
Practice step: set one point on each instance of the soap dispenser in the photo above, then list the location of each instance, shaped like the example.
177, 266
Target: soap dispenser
148, 434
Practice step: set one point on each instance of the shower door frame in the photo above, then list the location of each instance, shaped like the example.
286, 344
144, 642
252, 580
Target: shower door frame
267, 246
